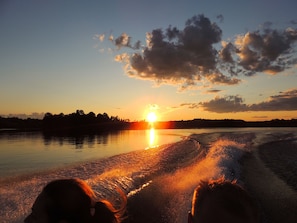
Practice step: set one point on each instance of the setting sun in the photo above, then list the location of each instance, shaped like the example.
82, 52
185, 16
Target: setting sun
151, 117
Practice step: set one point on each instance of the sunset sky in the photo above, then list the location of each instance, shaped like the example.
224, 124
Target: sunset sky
182, 59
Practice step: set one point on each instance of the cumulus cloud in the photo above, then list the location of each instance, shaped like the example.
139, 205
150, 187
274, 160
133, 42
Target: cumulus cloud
268, 51
124, 40
179, 56
219, 78
191, 55
284, 101
223, 105
227, 51
100, 37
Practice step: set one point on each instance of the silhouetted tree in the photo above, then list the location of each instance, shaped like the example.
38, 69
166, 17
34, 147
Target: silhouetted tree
91, 115
47, 115
80, 112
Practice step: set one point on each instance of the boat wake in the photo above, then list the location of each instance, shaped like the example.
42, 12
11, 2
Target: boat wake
158, 182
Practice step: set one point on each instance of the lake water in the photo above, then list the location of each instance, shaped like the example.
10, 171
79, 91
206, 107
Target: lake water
150, 164
28, 152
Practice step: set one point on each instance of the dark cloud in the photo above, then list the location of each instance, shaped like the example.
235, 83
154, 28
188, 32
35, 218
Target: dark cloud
182, 57
220, 18
219, 78
267, 51
224, 105
124, 40
284, 101
190, 105
226, 53
188, 56
214, 91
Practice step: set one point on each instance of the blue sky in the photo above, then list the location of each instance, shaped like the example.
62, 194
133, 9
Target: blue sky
52, 59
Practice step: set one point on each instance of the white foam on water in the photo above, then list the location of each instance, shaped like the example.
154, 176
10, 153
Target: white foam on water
179, 167
222, 156
128, 172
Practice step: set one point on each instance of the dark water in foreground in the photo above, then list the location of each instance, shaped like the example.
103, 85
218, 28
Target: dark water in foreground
158, 178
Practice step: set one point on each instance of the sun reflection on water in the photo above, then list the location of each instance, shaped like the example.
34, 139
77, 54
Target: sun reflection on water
152, 137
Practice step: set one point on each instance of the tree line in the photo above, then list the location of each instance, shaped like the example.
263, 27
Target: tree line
63, 122
79, 118
80, 122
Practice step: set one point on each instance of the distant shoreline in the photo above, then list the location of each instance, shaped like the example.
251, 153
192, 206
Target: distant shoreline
86, 124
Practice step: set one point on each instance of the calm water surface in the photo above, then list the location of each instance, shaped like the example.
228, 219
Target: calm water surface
33, 152
30, 152
178, 166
